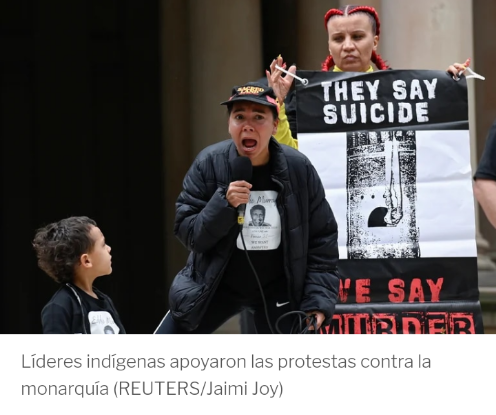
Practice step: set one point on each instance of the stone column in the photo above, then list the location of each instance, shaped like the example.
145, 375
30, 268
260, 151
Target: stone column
435, 34
312, 36
226, 50
206, 48
176, 121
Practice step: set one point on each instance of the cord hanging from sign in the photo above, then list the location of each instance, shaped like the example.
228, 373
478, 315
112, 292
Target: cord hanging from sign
473, 74
304, 81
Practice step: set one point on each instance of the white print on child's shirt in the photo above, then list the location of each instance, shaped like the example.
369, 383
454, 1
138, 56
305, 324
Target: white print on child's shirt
262, 227
101, 322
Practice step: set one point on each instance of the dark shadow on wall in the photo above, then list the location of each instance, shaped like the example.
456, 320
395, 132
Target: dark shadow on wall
81, 135
279, 31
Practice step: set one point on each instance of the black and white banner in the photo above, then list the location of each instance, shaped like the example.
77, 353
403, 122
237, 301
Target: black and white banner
393, 151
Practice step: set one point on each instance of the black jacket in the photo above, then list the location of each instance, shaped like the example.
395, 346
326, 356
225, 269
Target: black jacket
68, 309
207, 225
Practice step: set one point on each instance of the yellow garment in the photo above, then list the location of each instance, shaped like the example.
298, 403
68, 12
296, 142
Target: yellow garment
336, 69
283, 134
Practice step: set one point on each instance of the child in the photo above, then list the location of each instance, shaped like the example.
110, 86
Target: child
73, 252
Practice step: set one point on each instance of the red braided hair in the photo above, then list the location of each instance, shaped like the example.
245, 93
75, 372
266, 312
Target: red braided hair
346, 11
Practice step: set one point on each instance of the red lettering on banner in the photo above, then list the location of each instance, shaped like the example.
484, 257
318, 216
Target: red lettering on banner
438, 324
363, 291
462, 323
411, 325
384, 323
416, 291
418, 322
344, 289
398, 292
361, 323
435, 289
358, 323
396, 286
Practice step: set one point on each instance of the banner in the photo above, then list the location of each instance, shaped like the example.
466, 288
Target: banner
393, 151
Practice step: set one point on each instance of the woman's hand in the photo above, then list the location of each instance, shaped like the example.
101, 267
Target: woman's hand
238, 193
280, 84
458, 69
319, 317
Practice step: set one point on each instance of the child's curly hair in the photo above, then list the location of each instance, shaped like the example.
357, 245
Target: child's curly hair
59, 246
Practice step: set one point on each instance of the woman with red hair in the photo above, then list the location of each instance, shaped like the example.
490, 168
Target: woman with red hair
353, 37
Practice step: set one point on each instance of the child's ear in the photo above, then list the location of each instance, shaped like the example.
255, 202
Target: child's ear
85, 261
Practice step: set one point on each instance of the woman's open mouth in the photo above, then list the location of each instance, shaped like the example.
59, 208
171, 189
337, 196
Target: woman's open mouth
249, 144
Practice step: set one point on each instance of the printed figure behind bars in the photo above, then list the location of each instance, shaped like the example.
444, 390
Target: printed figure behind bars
381, 185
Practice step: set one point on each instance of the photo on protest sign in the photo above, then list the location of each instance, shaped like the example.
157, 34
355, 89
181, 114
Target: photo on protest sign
393, 151
262, 226
381, 190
